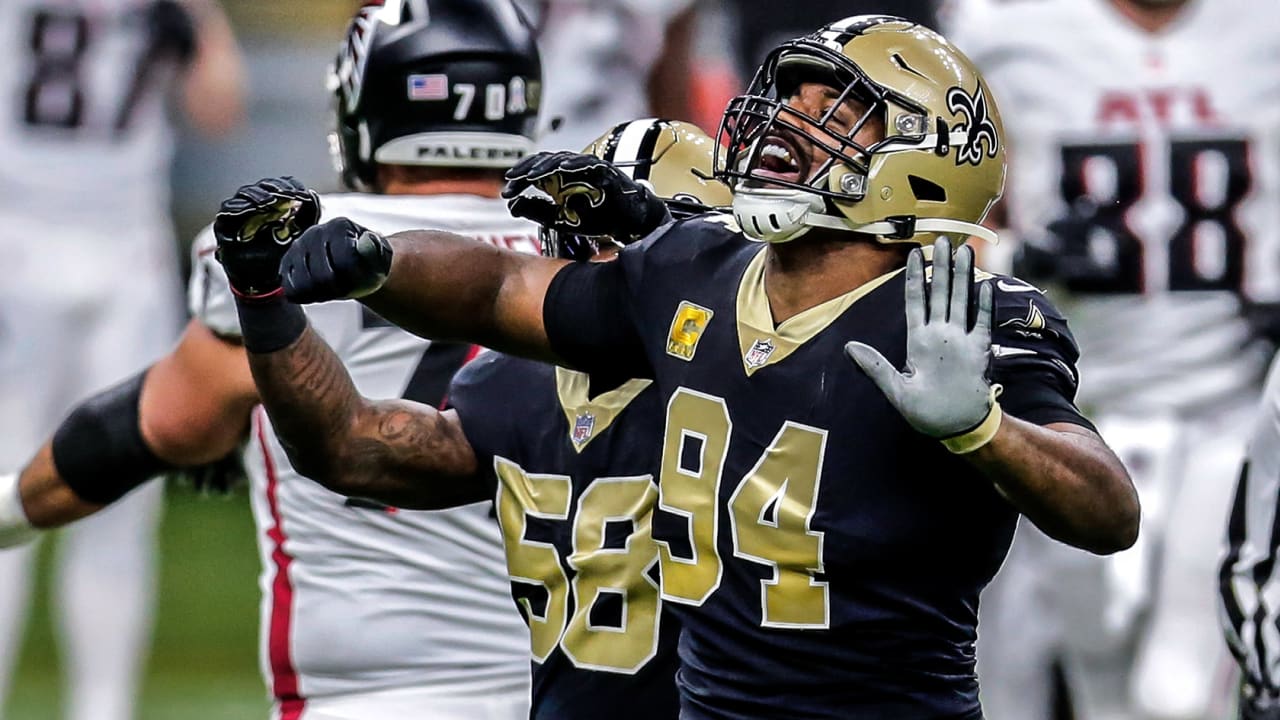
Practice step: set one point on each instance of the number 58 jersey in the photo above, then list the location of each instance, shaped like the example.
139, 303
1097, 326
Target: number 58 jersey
576, 489
1169, 143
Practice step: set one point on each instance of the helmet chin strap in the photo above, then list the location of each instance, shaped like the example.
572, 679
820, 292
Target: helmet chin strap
778, 215
886, 229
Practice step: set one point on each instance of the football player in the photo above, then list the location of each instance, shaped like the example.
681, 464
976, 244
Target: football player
824, 529
585, 481
571, 457
1144, 190
367, 611
1248, 570
90, 290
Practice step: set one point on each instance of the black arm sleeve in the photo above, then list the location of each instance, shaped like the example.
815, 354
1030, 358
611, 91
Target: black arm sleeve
1036, 395
1035, 357
590, 321
99, 450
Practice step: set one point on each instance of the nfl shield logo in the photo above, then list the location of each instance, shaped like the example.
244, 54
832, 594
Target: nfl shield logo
582, 427
759, 353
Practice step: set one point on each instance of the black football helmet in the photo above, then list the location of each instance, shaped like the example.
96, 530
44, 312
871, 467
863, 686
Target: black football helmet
454, 83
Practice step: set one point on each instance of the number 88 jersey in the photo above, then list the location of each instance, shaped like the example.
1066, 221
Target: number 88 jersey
1169, 145
83, 124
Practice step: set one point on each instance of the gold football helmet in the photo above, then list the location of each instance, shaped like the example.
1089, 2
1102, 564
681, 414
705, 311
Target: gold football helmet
938, 169
674, 158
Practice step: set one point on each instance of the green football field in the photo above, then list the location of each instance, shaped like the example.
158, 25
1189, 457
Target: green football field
204, 660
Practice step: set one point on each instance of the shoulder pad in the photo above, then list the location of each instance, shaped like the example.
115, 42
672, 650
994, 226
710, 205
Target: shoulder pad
1027, 327
209, 297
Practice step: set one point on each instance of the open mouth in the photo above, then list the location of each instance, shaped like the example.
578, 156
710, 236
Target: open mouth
779, 159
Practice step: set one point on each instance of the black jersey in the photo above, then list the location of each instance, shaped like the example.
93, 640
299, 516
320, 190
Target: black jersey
576, 488
826, 558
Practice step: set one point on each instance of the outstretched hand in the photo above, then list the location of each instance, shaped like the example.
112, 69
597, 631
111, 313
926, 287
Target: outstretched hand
584, 195
943, 392
255, 226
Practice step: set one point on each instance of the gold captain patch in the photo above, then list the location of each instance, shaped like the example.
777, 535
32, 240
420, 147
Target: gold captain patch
686, 329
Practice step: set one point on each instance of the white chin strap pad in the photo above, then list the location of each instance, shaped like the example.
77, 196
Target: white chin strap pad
775, 216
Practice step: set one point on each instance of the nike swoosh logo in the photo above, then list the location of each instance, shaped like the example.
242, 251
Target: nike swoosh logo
1006, 351
1010, 287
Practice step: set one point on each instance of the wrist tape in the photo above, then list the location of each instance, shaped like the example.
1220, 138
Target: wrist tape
970, 440
270, 322
99, 451
15, 529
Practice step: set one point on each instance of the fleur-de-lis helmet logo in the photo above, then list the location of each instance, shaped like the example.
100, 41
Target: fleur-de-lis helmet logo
976, 124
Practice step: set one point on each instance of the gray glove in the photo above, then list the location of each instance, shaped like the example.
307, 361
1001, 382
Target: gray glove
943, 393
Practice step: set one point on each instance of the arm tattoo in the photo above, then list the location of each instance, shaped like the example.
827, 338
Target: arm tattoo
394, 451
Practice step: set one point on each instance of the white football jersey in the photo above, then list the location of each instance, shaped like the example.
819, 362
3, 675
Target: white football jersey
357, 597
596, 61
86, 140
1175, 136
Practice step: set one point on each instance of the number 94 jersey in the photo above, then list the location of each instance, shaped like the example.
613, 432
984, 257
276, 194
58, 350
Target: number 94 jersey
575, 478
825, 558
1162, 153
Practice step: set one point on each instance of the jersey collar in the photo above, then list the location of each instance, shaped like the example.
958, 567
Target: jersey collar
762, 343
588, 417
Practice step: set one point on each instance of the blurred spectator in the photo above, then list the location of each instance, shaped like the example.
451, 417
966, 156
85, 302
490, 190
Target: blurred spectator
91, 285
735, 35
1143, 192
760, 27
610, 61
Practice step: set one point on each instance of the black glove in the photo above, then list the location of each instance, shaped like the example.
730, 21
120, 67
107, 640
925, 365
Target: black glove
583, 195
1264, 319
1062, 253
1255, 705
218, 477
254, 228
171, 30
333, 261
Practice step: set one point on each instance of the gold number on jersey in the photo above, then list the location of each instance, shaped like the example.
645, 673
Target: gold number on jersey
602, 570
521, 495
770, 513
693, 452
614, 574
